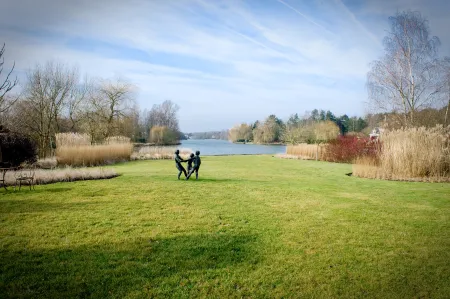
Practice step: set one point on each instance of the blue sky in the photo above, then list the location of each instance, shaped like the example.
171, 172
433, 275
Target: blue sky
222, 61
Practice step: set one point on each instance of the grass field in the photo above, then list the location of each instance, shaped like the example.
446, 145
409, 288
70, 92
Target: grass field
252, 226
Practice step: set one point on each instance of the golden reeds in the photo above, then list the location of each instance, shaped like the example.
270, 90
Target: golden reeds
306, 151
92, 155
75, 149
410, 154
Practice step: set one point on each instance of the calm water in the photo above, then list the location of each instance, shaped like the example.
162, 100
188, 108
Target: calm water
211, 147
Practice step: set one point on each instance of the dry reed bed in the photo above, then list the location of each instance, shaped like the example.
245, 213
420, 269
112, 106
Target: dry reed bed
93, 155
68, 174
159, 153
306, 151
75, 149
414, 154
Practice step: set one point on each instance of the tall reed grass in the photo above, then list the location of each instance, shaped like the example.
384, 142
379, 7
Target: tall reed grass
159, 152
306, 151
93, 155
75, 149
409, 154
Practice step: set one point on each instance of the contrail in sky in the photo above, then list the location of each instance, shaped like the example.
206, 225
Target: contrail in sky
357, 22
261, 44
305, 16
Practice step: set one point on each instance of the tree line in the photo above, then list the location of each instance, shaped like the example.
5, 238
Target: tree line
54, 99
307, 129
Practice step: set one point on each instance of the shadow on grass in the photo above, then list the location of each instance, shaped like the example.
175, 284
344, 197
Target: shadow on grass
56, 190
37, 189
41, 189
205, 179
38, 206
148, 267
217, 180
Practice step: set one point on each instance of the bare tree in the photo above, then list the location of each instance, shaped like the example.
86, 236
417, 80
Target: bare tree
233, 133
77, 102
46, 93
241, 132
406, 79
164, 115
245, 132
446, 83
300, 133
258, 133
7, 85
169, 112
113, 101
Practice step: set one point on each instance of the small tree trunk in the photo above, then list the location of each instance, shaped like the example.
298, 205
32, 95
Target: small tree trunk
446, 110
317, 152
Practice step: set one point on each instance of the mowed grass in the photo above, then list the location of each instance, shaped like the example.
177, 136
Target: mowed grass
252, 226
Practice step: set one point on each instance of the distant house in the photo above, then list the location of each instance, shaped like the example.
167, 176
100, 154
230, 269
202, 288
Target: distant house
375, 134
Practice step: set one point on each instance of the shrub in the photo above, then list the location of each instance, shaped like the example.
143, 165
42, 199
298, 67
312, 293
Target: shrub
16, 149
345, 149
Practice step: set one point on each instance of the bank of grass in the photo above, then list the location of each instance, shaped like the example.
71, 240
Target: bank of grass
66, 174
252, 226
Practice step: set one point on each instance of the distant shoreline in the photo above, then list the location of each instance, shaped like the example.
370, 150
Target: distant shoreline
227, 155
154, 144
275, 143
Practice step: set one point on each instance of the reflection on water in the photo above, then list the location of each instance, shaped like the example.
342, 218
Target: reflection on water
211, 147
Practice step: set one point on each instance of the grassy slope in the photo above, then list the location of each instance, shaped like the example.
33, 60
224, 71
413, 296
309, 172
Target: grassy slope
252, 226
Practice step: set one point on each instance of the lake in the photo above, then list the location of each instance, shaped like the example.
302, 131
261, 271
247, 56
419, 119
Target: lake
213, 147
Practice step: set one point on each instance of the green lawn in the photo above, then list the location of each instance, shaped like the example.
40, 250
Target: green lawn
252, 226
